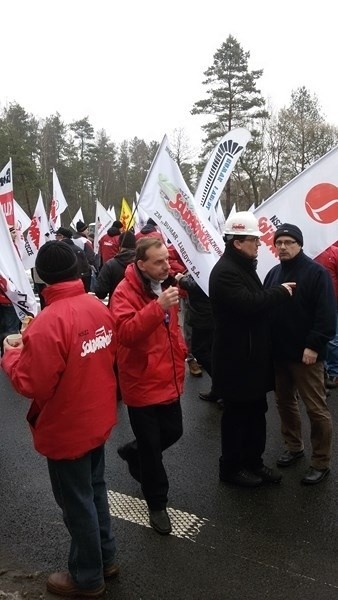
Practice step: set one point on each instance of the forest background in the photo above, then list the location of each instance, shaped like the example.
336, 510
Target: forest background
91, 166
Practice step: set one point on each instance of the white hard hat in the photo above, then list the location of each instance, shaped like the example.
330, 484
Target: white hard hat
242, 223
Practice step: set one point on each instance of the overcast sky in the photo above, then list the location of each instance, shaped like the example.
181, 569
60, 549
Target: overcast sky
135, 68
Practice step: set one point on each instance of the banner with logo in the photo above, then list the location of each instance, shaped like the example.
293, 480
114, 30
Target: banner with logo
103, 220
58, 206
219, 166
14, 281
6, 192
166, 198
36, 234
21, 223
310, 201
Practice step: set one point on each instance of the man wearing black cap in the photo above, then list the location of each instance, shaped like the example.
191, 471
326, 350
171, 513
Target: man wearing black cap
65, 235
149, 230
66, 350
82, 241
301, 332
109, 243
113, 270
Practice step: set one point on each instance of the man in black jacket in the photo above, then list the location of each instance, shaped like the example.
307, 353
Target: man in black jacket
301, 332
112, 271
241, 364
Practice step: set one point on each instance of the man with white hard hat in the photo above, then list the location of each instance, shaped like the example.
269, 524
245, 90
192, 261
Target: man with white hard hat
241, 363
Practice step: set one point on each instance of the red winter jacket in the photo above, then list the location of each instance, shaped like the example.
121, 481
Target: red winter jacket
150, 346
329, 260
109, 246
66, 368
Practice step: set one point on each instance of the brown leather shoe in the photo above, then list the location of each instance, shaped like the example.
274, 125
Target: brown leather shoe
194, 369
111, 571
61, 584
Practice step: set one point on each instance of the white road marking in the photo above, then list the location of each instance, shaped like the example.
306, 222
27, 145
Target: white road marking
184, 525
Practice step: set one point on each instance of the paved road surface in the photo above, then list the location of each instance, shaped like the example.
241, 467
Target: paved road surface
274, 542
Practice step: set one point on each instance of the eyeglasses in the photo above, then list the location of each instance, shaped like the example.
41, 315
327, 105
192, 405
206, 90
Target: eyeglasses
286, 243
251, 239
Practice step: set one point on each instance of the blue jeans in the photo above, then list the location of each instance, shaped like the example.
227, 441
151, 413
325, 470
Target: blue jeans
80, 490
332, 355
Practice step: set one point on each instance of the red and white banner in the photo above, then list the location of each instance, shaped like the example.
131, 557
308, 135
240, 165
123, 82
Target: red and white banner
309, 201
58, 206
6, 192
13, 278
103, 220
219, 166
36, 234
22, 222
166, 198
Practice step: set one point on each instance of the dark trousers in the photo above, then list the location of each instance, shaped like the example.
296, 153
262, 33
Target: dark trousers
201, 345
156, 427
79, 489
243, 434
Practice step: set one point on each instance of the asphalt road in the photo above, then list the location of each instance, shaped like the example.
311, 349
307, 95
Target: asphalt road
274, 542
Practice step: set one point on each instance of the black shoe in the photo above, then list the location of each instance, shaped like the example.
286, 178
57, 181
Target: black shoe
288, 458
159, 520
313, 476
208, 396
268, 475
131, 458
243, 478
331, 383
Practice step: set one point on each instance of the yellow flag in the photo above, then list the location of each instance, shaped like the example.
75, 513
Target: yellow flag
126, 217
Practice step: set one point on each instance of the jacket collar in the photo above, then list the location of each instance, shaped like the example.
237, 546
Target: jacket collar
64, 289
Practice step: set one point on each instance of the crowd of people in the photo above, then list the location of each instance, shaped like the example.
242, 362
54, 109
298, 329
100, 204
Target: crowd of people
250, 337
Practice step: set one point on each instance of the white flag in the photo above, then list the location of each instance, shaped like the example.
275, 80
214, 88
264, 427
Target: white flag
112, 213
21, 219
36, 234
309, 201
21, 223
77, 217
58, 206
13, 277
166, 198
6, 192
103, 220
219, 166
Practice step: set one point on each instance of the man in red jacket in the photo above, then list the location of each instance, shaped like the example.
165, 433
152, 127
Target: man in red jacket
65, 351
150, 361
329, 260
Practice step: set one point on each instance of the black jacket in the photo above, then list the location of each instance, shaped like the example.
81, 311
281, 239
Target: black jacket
309, 321
241, 361
199, 313
112, 273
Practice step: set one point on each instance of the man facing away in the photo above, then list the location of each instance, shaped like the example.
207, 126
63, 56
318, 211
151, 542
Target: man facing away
66, 350
241, 363
150, 361
301, 332
329, 260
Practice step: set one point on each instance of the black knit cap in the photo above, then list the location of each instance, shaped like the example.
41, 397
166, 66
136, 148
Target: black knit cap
127, 240
117, 224
64, 231
290, 230
81, 226
55, 262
